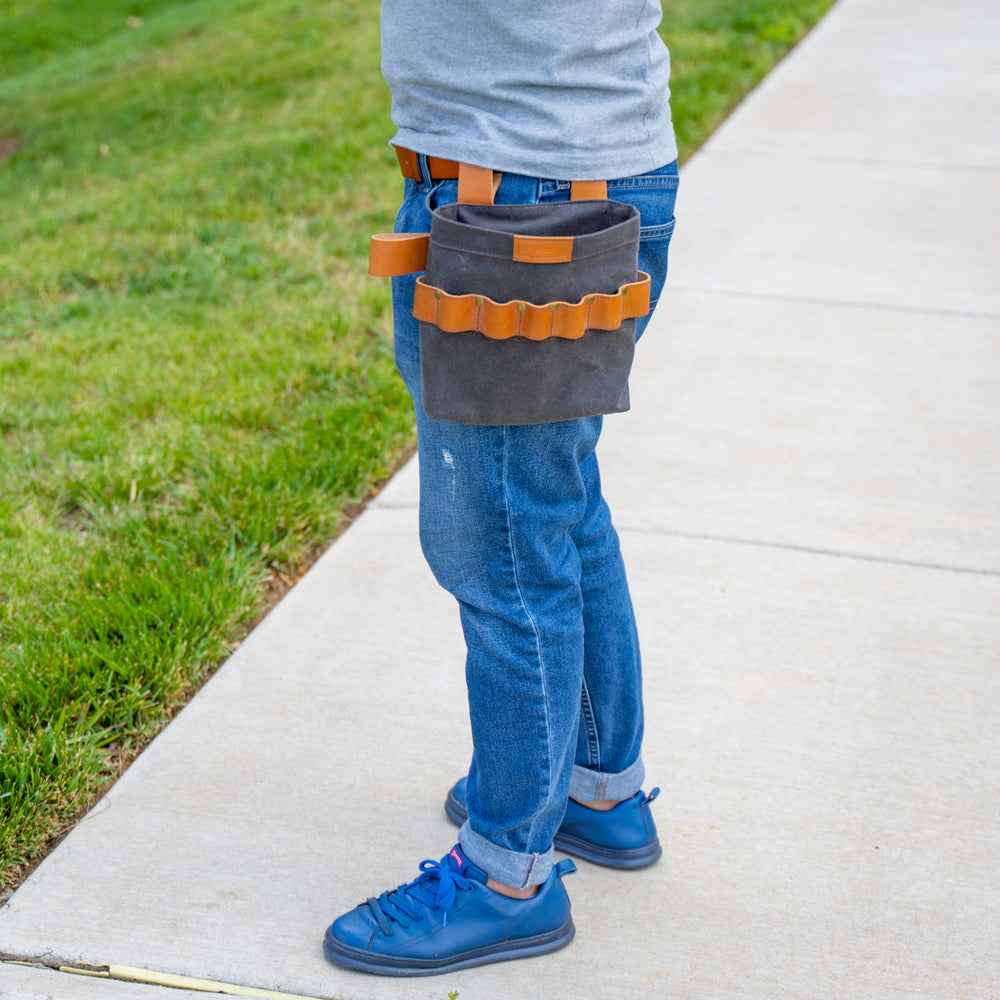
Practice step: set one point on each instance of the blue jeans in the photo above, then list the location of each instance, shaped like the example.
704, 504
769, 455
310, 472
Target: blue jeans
513, 524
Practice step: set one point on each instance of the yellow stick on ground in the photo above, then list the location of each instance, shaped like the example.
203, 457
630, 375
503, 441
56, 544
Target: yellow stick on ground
97, 973
131, 975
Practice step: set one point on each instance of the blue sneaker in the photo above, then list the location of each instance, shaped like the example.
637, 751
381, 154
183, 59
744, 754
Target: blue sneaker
449, 919
623, 837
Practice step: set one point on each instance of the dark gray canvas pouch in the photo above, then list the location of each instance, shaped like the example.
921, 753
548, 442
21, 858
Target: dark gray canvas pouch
472, 378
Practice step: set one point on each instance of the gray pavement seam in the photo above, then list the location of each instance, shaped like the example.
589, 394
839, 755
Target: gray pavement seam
736, 293
808, 549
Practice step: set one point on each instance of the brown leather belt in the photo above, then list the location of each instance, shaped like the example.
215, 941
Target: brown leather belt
439, 169
446, 170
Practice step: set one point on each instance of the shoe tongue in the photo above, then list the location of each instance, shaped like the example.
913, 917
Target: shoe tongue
458, 862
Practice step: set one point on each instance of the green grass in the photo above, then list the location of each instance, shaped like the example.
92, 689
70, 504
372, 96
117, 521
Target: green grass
195, 372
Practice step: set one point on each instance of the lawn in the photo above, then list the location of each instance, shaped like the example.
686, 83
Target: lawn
196, 378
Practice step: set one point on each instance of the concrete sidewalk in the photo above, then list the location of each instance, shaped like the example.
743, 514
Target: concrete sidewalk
808, 491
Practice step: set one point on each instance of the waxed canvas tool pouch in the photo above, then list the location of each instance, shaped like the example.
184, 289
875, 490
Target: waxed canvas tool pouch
528, 311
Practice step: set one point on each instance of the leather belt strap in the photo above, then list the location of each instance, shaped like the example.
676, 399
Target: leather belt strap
440, 170
583, 190
444, 170
477, 185
503, 320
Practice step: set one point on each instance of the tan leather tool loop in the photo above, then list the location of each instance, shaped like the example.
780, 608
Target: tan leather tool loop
503, 320
393, 254
584, 190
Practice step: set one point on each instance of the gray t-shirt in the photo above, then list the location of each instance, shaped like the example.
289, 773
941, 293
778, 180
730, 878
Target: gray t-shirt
576, 90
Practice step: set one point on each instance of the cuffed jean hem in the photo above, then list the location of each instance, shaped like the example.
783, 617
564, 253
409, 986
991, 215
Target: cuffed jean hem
593, 786
507, 867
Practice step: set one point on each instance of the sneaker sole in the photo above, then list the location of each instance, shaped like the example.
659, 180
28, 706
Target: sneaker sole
609, 857
391, 965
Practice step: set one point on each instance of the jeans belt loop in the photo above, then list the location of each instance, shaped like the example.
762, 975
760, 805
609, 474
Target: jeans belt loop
425, 170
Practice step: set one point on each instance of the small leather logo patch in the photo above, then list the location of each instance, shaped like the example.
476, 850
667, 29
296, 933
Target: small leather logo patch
543, 249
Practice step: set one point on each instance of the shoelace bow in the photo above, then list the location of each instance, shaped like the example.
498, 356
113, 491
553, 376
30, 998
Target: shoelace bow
435, 887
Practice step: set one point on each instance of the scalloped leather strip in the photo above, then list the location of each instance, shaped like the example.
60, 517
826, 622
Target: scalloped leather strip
503, 320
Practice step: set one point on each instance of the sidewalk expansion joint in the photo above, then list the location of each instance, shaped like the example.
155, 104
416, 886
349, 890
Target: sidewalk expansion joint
736, 293
814, 550
790, 155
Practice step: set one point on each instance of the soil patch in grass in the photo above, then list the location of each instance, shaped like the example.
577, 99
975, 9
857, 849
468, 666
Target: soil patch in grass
9, 145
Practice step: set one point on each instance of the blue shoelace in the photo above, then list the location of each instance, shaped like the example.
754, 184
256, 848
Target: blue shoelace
435, 887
